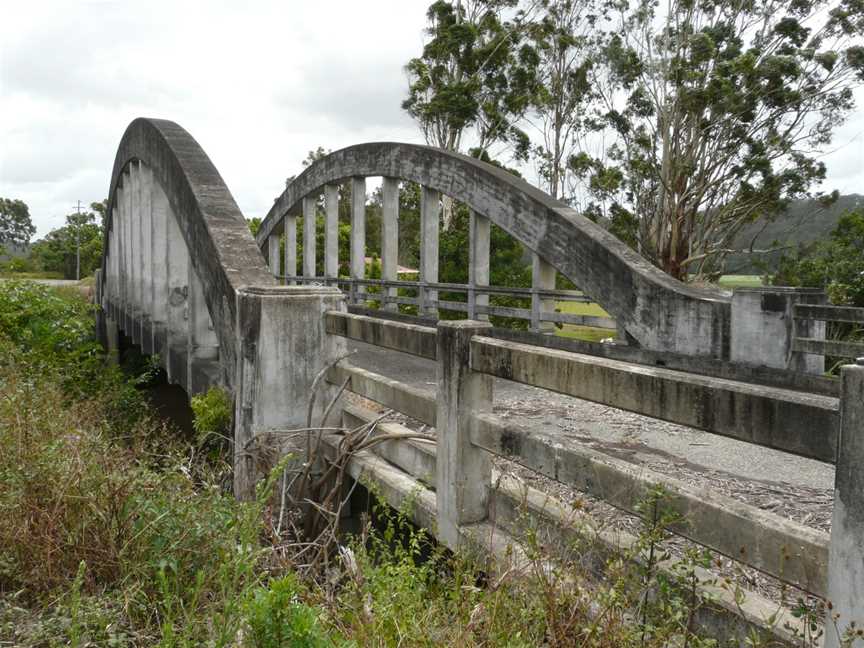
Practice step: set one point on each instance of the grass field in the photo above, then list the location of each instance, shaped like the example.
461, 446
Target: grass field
587, 333
740, 281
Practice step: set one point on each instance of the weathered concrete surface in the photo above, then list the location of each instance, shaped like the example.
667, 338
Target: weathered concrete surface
571, 421
554, 522
283, 346
763, 328
659, 312
846, 561
463, 471
789, 551
408, 338
222, 250
802, 424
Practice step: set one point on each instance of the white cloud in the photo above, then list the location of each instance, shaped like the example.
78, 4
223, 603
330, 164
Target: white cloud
259, 84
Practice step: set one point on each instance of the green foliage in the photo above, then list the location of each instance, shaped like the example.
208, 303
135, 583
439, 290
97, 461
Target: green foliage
276, 617
213, 414
57, 252
15, 224
254, 225
474, 73
836, 264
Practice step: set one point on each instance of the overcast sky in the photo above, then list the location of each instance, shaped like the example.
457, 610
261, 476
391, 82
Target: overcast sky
258, 84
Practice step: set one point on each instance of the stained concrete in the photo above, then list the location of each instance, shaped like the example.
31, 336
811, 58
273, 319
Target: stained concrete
658, 311
571, 420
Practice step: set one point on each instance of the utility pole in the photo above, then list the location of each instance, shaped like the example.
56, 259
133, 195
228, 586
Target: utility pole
78, 245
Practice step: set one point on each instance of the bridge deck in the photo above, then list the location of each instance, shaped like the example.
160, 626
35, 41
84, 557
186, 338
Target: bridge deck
665, 447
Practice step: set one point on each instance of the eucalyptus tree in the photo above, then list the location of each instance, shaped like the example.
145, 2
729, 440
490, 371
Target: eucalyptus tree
474, 80
716, 114
563, 36
16, 228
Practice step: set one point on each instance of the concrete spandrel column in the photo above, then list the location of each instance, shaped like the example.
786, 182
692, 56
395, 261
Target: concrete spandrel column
282, 345
479, 237
463, 471
176, 291
358, 233
290, 229
159, 254
203, 344
542, 278
763, 329
309, 239
846, 551
273, 254
128, 219
146, 268
430, 217
390, 237
331, 231
136, 249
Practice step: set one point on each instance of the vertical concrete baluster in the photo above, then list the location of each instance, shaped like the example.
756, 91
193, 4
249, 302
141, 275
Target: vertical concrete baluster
390, 237
203, 343
430, 216
309, 239
463, 471
146, 268
273, 255
542, 278
331, 231
290, 229
479, 236
128, 219
358, 234
846, 551
177, 290
135, 224
159, 254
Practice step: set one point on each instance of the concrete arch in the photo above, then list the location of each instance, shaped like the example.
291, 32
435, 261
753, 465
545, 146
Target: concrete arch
220, 247
661, 313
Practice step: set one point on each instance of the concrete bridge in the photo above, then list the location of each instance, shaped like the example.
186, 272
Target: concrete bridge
183, 277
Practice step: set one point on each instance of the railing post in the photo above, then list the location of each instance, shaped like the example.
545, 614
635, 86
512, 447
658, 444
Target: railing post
331, 231
846, 551
542, 278
289, 227
429, 222
479, 236
358, 235
273, 254
463, 471
309, 238
389, 238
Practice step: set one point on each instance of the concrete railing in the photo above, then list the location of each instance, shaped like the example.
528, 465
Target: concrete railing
807, 313
810, 425
537, 315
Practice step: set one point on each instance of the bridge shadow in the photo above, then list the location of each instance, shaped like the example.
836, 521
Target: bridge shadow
168, 402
